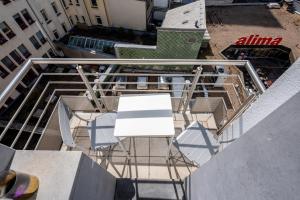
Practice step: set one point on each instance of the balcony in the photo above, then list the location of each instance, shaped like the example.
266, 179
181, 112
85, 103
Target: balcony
209, 92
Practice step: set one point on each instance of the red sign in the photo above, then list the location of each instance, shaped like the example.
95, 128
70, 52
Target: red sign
257, 40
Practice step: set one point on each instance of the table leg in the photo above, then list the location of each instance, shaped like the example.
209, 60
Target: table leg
169, 148
123, 148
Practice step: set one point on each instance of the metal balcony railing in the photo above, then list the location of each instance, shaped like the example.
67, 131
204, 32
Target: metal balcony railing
99, 92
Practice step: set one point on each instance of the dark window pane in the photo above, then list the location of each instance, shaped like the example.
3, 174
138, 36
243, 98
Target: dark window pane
44, 14
54, 7
99, 20
21, 89
41, 37
71, 20
83, 19
64, 27
27, 16
29, 77
51, 53
56, 34
3, 72
9, 63
16, 56
2, 39
34, 42
77, 19
20, 21
6, 30
45, 55
24, 51
77, 3
94, 3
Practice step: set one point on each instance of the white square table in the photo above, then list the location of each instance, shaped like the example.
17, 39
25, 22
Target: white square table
146, 115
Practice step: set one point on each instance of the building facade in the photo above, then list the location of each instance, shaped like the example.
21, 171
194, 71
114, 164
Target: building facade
29, 27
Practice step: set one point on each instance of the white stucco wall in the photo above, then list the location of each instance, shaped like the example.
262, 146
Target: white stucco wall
129, 14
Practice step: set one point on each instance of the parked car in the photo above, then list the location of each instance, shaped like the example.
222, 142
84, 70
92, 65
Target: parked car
273, 6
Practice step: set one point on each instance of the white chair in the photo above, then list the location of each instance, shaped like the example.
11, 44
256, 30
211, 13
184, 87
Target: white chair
101, 130
197, 143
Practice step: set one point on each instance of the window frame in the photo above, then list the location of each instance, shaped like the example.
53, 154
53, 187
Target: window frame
94, 3
14, 54
3, 72
24, 51
41, 37
98, 17
35, 42
55, 8
27, 16
9, 33
8, 63
45, 16
19, 20
55, 32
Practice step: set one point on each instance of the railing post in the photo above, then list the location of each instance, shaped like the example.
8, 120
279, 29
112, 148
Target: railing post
88, 86
192, 89
238, 113
184, 94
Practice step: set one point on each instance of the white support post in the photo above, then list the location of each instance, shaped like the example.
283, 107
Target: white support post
88, 86
192, 89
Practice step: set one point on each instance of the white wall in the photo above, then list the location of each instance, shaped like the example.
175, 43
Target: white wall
99, 11
129, 14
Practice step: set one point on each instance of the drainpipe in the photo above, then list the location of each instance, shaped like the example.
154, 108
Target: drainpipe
106, 13
88, 14
40, 26
64, 9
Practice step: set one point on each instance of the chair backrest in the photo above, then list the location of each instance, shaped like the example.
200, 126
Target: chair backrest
197, 143
64, 124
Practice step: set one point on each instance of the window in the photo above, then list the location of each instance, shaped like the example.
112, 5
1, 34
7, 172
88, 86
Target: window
99, 20
94, 3
9, 63
29, 78
64, 27
55, 33
34, 42
41, 37
71, 3
3, 72
24, 51
2, 39
20, 21
6, 30
27, 16
55, 8
51, 53
45, 55
71, 20
77, 19
45, 16
83, 19
77, 3
16, 56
